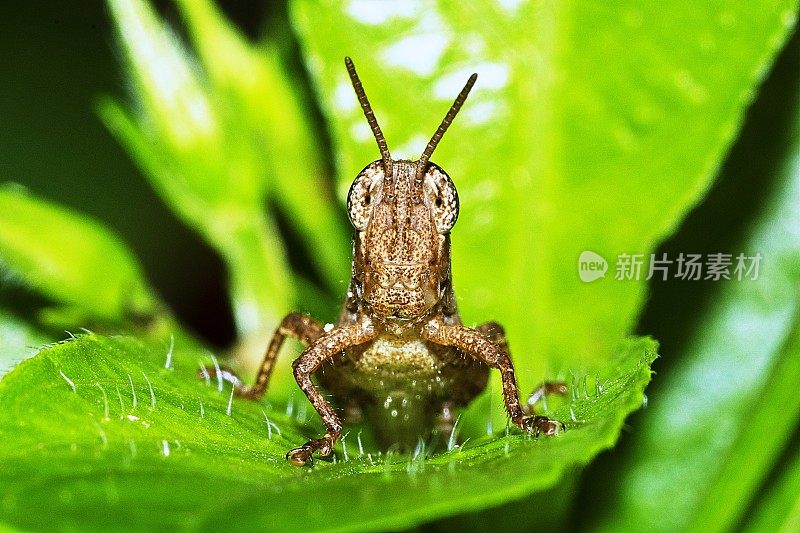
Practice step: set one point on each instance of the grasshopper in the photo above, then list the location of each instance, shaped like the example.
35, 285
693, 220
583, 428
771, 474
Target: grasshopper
399, 353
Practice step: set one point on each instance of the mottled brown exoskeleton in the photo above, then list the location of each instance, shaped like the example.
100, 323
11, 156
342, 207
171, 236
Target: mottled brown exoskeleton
399, 350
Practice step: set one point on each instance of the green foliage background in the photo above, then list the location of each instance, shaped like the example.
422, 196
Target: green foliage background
593, 126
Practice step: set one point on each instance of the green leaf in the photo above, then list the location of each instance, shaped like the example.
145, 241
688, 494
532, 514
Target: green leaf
99, 433
593, 126
71, 259
730, 403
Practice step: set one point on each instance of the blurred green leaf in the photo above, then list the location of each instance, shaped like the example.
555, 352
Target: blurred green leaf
18, 340
779, 509
258, 86
98, 432
71, 259
221, 137
593, 126
737, 482
730, 404
204, 166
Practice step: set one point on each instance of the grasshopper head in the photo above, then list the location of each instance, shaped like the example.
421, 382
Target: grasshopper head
403, 212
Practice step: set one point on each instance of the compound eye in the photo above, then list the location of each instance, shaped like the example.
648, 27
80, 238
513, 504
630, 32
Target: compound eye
362, 195
442, 198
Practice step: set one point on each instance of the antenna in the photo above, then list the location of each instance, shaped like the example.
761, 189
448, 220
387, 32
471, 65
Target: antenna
422, 164
373, 122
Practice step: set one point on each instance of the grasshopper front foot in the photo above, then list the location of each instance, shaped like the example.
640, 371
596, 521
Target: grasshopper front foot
537, 424
303, 455
540, 425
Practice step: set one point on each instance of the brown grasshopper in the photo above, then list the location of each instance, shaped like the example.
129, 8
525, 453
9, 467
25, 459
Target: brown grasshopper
399, 350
